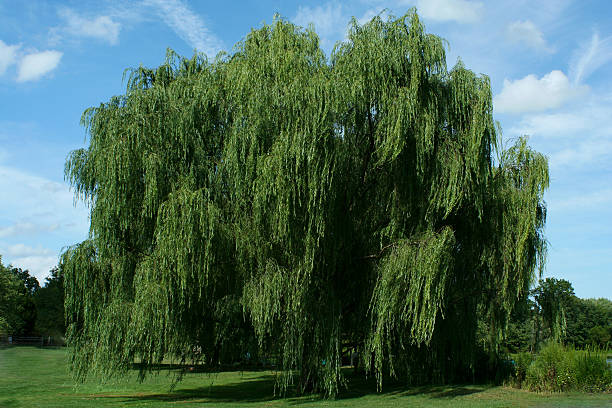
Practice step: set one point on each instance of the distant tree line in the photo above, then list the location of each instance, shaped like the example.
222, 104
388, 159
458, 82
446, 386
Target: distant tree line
553, 311
26, 308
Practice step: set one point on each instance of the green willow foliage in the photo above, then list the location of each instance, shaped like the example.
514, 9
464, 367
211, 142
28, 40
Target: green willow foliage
313, 204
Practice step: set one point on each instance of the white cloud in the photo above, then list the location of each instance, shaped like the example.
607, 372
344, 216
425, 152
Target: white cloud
590, 119
36, 65
590, 153
532, 94
329, 22
38, 265
553, 125
187, 25
101, 27
8, 56
370, 14
594, 199
527, 32
21, 250
42, 219
460, 11
38, 261
590, 57
22, 228
577, 137
25, 195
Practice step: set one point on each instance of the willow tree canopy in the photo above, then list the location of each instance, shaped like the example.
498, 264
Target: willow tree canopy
275, 201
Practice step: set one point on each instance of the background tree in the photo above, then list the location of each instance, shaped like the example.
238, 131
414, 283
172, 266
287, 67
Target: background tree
585, 314
554, 312
8, 299
26, 307
49, 301
352, 199
17, 308
521, 334
599, 336
554, 297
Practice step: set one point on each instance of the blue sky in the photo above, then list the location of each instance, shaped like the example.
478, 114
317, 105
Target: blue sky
550, 63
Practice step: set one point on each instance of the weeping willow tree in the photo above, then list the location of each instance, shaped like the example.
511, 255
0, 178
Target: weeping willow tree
277, 200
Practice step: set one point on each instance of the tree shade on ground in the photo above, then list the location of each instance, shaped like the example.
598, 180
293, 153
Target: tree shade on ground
35, 377
277, 200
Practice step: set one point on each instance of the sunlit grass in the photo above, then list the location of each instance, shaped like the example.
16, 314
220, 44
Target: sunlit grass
32, 377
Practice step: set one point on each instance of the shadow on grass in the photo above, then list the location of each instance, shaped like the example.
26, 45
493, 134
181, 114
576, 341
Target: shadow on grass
359, 387
261, 389
198, 368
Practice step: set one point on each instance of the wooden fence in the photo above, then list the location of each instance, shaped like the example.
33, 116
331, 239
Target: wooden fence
40, 341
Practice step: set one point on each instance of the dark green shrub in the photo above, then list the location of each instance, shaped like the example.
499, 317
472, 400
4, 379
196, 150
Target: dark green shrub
522, 361
592, 372
557, 368
551, 369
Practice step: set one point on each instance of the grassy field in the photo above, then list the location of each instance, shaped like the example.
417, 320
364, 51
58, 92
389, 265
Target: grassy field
32, 377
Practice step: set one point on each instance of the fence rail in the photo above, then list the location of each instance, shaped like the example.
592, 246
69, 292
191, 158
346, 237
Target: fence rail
40, 341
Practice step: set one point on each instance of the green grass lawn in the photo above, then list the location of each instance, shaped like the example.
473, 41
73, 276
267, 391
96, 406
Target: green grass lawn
32, 377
